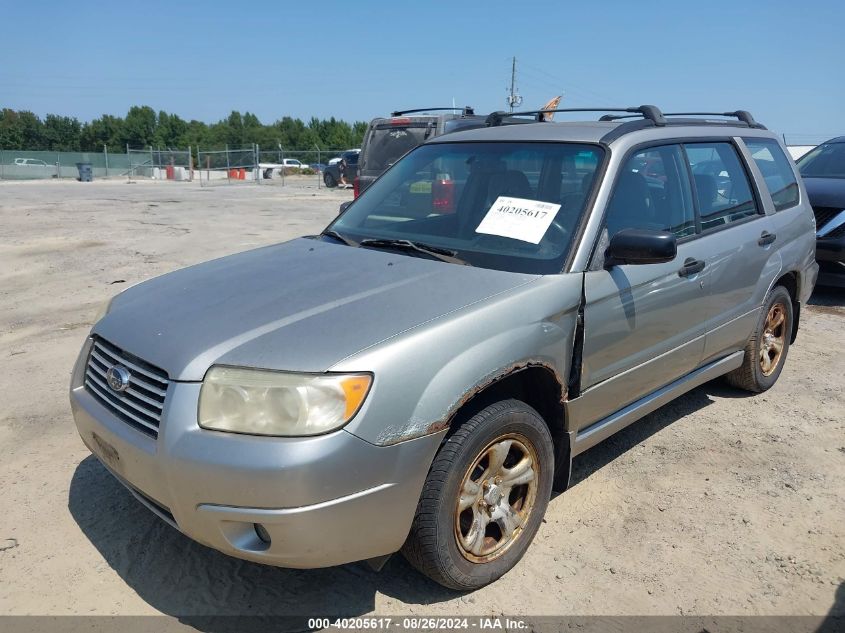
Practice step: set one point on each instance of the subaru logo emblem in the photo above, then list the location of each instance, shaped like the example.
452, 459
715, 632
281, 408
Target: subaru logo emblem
118, 377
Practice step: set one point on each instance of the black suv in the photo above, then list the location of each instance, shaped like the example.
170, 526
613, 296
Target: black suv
823, 171
388, 139
331, 173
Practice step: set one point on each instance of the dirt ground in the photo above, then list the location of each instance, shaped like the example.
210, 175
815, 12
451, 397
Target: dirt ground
717, 503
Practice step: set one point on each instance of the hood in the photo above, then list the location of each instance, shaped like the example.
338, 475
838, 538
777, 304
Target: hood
826, 192
302, 305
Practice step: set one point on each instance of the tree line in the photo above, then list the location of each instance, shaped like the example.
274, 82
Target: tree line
143, 127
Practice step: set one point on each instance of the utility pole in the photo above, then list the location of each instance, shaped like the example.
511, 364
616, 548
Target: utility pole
513, 98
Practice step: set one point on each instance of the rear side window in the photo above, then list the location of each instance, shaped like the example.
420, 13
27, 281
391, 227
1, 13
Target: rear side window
722, 189
653, 192
776, 170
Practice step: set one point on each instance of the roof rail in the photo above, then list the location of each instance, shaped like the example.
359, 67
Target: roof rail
742, 115
466, 111
649, 112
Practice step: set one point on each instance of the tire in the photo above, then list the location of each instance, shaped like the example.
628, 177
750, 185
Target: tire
755, 374
444, 542
329, 180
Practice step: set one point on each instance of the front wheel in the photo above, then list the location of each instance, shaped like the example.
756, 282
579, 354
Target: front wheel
766, 351
484, 498
329, 180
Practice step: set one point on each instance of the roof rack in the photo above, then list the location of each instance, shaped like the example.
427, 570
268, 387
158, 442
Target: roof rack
466, 111
742, 115
648, 112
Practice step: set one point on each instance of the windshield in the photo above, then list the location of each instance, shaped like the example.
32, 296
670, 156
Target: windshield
506, 206
825, 161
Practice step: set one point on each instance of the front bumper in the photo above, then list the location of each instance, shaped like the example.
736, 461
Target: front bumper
323, 501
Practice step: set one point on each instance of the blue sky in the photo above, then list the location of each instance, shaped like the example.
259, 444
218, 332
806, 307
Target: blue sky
783, 61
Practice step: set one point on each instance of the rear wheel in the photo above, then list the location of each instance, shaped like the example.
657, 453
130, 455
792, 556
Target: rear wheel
766, 351
329, 180
484, 498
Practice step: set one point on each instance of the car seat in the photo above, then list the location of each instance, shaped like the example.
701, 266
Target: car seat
705, 186
630, 206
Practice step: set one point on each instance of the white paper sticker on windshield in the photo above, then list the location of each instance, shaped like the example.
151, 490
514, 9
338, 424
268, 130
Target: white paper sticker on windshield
519, 219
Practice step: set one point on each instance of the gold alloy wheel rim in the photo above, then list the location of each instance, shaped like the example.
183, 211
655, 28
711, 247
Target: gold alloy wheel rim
496, 498
773, 340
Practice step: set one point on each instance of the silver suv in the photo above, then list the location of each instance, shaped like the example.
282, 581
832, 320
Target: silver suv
420, 376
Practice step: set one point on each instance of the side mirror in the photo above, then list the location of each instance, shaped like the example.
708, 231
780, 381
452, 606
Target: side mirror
343, 206
641, 246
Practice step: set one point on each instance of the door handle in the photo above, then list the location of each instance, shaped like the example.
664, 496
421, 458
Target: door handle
691, 267
766, 238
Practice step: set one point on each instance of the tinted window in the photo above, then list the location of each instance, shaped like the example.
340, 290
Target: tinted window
453, 125
776, 170
653, 192
825, 161
440, 194
721, 184
388, 142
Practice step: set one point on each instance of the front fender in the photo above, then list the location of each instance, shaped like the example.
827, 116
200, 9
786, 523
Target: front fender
423, 376
479, 366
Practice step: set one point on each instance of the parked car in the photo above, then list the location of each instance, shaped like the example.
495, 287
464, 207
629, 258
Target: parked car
823, 171
331, 174
388, 138
293, 163
30, 162
424, 371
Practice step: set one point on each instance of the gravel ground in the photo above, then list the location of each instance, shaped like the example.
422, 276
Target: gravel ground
718, 503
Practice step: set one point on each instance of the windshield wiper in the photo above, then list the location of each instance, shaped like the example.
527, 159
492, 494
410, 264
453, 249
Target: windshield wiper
443, 254
337, 236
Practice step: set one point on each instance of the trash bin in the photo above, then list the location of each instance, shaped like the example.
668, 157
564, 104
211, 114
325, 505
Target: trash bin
86, 172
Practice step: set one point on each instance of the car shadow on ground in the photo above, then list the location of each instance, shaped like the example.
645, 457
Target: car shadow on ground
602, 454
204, 588
834, 622
827, 297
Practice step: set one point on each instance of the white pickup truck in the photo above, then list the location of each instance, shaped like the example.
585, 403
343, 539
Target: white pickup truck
286, 163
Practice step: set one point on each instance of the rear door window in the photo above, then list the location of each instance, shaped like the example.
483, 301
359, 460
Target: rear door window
776, 170
722, 188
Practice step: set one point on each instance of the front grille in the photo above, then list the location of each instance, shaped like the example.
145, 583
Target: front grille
140, 405
825, 215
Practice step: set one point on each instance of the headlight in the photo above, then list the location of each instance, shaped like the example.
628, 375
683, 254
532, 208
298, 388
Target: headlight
261, 402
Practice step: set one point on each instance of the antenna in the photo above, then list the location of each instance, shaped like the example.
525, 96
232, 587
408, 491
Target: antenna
514, 99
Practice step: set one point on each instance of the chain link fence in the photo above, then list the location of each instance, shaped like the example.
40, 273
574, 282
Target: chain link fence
35, 165
160, 164
252, 164
229, 165
149, 163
